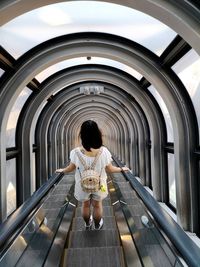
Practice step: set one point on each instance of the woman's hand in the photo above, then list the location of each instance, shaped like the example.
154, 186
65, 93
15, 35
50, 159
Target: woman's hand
59, 170
71, 167
125, 169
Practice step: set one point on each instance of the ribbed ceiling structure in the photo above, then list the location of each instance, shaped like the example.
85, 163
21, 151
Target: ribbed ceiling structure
132, 121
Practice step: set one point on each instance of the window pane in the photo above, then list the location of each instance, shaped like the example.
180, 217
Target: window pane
188, 70
83, 60
39, 25
171, 180
36, 116
11, 185
14, 115
1, 72
161, 103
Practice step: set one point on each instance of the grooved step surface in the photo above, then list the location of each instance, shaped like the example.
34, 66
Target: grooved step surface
62, 189
107, 211
105, 202
136, 210
98, 257
79, 224
95, 238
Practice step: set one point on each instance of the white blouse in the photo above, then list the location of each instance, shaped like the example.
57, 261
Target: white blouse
104, 159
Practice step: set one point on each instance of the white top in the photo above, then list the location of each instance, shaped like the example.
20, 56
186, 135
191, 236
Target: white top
104, 159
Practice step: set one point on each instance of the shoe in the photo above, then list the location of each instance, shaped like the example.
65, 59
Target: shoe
99, 225
89, 225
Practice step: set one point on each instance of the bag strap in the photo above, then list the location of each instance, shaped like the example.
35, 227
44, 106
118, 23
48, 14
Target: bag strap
93, 163
81, 159
96, 159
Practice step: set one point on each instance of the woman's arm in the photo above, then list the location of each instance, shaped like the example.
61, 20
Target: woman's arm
71, 167
111, 168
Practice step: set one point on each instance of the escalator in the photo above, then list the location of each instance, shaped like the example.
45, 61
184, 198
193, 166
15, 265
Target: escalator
54, 233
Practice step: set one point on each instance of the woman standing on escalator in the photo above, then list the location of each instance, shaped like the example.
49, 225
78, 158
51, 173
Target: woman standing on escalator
94, 158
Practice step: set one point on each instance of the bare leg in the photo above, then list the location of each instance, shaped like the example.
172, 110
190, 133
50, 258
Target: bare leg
97, 210
86, 210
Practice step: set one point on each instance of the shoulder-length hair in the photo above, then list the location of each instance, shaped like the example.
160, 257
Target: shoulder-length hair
90, 135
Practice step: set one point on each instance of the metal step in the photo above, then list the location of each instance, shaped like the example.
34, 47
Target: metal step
105, 202
152, 251
136, 210
95, 238
107, 211
61, 189
98, 257
79, 224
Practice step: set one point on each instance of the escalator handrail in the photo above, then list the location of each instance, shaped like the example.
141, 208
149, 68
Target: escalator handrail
189, 251
9, 227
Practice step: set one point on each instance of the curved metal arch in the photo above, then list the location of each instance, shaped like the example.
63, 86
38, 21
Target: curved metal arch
72, 101
110, 75
100, 99
142, 141
41, 136
115, 128
143, 135
182, 16
170, 88
100, 115
63, 129
77, 104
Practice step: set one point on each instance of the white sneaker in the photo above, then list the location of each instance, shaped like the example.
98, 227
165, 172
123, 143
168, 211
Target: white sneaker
89, 225
99, 225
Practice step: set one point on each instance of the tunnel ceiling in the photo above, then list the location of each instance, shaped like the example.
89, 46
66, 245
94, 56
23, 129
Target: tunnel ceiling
118, 66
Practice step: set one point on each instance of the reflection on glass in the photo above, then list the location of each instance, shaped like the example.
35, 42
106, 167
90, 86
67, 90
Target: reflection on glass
188, 70
83, 60
161, 103
171, 180
11, 185
33, 177
39, 25
14, 115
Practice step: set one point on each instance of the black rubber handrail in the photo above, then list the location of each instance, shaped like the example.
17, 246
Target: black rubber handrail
10, 226
189, 251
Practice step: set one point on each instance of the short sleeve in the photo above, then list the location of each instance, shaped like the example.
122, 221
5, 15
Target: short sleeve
73, 156
107, 156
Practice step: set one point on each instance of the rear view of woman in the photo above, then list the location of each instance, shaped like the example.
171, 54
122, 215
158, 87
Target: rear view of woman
91, 159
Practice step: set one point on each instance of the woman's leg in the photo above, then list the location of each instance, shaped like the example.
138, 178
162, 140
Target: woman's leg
97, 211
86, 211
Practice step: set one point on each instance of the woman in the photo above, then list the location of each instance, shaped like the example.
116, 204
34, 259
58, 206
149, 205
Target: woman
91, 148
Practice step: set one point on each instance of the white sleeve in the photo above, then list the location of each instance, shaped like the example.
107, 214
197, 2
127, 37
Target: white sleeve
107, 156
73, 156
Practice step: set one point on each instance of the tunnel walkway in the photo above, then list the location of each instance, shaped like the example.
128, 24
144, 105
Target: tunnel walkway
55, 236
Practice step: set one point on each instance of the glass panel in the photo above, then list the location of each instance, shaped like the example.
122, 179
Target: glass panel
171, 180
14, 115
33, 126
161, 103
39, 25
1, 72
188, 70
11, 185
83, 60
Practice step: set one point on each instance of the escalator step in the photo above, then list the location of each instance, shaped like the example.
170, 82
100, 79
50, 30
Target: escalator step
105, 202
95, 238
136, 210
107, 211
62, 189
79, 224
98, 257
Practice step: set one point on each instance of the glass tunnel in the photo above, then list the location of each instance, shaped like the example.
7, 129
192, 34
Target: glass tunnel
131, 66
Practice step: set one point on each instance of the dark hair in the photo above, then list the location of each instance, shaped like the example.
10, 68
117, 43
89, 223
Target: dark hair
90, 135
